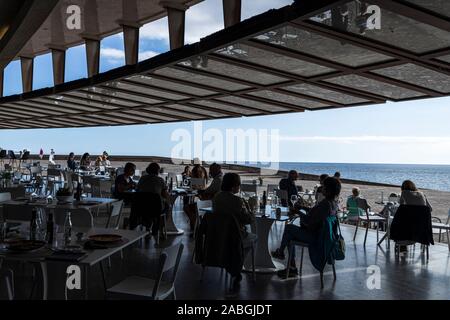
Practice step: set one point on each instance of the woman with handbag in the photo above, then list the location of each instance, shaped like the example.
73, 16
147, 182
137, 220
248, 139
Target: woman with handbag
310, 224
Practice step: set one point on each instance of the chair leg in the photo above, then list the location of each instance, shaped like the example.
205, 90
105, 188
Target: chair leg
301, 261
428, 253
334, 271
288, 263
321, 280
356, 230
174, 295
378, 228
365, 236
203, 273
253, 263
440, 233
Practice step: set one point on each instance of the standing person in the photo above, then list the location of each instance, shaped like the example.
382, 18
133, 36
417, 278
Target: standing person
124, 182
319, 195
51, 157
311, 223
85, 162
288, 184
71, 164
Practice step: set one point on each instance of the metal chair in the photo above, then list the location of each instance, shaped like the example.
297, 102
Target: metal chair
116, 213
154, 289
439, 226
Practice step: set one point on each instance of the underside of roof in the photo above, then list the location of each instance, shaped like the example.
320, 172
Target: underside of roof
312, 55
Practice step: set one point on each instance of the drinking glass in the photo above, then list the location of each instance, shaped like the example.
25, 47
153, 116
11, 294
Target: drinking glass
294, 199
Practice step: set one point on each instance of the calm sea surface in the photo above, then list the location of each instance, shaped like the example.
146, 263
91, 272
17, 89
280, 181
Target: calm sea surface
435, 177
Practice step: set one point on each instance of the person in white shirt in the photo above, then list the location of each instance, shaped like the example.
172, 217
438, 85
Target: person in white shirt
51, 157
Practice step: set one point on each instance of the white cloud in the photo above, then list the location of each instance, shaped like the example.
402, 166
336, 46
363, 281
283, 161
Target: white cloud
144, 55
113, 55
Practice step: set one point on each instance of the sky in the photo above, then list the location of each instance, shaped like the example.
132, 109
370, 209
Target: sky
415, 132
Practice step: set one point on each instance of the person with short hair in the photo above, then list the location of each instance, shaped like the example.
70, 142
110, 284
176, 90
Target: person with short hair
124, 182
337, 175
288, 184
356, 198
71, 164
311, 223
215, 172
227, 202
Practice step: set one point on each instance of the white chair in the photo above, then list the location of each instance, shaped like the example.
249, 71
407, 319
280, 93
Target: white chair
81, 218
154, 289
198, 183
116, 213
439, 227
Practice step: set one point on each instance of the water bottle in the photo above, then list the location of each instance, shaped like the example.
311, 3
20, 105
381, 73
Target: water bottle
67, 229
264, 201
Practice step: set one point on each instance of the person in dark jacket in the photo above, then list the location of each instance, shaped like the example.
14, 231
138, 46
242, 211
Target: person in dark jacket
226, 202
288, 184
71, 164
310, 224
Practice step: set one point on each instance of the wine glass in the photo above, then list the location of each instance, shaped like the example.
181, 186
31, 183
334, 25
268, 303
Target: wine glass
294, 199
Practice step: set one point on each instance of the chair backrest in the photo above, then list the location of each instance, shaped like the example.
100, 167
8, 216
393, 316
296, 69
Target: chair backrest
271, 188
55, 173
412, 223
5, 196
116, 213
145, 207
17, 212
353, 211
198, 183
448, 219
3, 153
249, 188
203, 204
169, 260
178, 179
81, 218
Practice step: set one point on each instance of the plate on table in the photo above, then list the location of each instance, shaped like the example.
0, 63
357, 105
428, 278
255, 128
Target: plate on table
25, 245
105, 238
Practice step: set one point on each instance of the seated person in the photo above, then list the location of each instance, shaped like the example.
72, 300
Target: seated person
124, 182
288, 184
412, 196
199, 172
105, 159
319, 194
311, 223
356, 198
186, 173
85, 162
71, 164
215, 172
98, 162
153, 183
337, 175
227, 202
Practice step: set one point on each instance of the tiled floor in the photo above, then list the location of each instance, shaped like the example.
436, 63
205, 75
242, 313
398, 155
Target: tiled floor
410, 277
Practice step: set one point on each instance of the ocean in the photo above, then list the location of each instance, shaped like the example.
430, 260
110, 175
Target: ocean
435, 177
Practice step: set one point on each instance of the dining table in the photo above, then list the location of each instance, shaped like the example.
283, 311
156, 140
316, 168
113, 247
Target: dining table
90, 203
264, 220
94, 255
